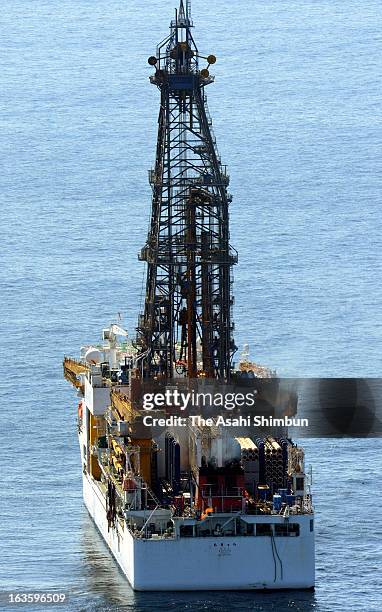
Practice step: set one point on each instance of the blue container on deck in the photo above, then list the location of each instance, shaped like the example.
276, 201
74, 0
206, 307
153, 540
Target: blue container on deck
291, 500
283, 493
277, 502
262, 491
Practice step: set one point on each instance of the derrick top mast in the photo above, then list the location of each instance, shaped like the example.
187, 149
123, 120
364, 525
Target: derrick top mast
186, 327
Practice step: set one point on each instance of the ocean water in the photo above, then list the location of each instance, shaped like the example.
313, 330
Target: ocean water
296, 109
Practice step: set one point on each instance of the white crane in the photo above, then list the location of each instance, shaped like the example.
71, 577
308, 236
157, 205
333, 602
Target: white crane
110, 334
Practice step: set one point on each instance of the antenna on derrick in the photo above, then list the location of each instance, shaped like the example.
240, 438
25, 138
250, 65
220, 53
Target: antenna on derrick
188, 10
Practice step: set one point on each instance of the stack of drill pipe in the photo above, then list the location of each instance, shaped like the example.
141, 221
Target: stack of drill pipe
248, 450
260, 445
246, 444
284, 446
250, 461
274, 472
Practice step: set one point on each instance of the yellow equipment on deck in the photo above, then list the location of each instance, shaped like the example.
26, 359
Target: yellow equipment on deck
72, 369
123, 406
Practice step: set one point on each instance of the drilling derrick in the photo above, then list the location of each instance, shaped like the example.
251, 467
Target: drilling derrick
186, 327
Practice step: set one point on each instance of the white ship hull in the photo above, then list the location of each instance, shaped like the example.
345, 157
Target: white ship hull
207, 563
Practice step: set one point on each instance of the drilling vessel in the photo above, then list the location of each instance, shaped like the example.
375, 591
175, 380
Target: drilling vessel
189, 505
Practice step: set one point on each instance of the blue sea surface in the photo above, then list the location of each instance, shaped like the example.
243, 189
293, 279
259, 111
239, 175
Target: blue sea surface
297, 114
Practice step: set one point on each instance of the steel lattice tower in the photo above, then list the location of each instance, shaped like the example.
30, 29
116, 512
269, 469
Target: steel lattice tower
186, 327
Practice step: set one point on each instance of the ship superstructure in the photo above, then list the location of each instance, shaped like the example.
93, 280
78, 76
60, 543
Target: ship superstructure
188, 506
